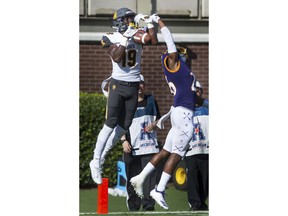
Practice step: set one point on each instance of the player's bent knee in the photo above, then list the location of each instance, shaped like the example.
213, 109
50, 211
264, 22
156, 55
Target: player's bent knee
111, 122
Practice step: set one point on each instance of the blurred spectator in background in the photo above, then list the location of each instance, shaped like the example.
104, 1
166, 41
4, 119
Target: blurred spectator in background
197, 157
139, 145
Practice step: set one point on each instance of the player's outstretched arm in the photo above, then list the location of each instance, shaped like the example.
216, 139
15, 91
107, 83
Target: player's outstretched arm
171, 47
149, 22
153, 35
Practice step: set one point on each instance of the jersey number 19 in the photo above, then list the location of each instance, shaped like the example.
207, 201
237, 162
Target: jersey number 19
129, 58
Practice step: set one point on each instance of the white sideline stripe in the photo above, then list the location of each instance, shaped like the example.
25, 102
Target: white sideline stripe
149, 212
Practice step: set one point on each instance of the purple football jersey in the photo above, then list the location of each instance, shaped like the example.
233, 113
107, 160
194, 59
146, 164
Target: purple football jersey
181, 83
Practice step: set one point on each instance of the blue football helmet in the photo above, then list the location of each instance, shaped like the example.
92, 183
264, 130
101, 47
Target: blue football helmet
119, 17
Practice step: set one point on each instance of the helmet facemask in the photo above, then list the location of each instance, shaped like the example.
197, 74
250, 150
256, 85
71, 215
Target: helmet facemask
183, 53
119, 24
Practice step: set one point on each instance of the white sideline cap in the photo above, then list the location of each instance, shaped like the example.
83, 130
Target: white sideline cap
198, 85
142, 78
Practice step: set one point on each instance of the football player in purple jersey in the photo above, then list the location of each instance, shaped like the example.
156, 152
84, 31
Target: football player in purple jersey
182, 85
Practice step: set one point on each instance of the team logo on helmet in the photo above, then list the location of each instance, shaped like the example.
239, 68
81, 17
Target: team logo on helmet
102, 43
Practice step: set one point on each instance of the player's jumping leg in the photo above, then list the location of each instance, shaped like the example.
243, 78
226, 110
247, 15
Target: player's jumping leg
158, 196
95, 166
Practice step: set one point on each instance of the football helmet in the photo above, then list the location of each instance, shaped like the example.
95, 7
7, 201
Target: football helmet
122, 18
181, 51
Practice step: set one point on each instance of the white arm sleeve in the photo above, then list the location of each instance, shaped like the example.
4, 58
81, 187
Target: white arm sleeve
168, 40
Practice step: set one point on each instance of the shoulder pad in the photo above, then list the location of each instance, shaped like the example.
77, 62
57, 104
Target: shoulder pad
105, 42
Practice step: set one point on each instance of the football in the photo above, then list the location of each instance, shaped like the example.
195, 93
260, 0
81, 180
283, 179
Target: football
141, 37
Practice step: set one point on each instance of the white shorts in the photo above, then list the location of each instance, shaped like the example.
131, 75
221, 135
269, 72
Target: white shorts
180, 134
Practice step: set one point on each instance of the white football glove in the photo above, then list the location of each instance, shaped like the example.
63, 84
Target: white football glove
155, 18
148, 20
130, 32
139, 17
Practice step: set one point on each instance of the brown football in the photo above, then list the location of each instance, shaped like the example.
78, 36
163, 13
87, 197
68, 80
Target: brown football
141, 37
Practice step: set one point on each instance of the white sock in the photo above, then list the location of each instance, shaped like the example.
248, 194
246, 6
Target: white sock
165, 177
112, 140
146, 171
101, 141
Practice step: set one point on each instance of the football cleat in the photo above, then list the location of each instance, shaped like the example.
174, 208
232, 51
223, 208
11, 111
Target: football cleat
96, 171
158, 196
137, 185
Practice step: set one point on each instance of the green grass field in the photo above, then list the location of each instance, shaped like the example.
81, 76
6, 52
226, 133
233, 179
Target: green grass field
176, 200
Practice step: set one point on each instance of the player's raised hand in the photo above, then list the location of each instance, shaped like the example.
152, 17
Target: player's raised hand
155, 18
147, 19
139, 17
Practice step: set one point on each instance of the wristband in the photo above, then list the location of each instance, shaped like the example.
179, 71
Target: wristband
150, 25
122, 141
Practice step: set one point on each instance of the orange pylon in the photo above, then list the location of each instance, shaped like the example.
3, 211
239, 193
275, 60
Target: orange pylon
102, 206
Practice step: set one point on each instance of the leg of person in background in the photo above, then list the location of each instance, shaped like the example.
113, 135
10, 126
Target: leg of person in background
193, 183
148, 202
132, 167
197, 183
204, 172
